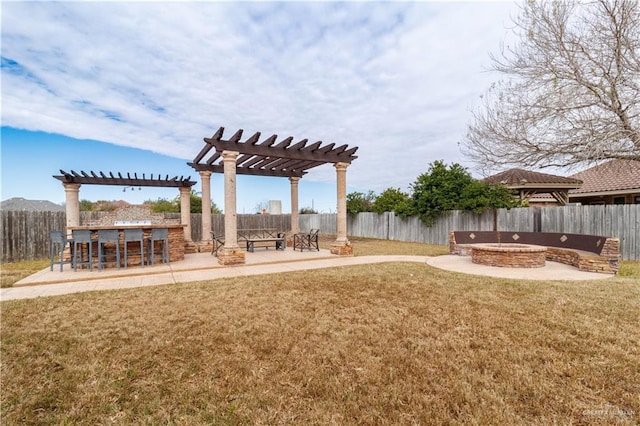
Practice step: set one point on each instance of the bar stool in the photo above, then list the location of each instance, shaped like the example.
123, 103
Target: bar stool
134, 236
108, 236
80, 239
160, 235
57, 246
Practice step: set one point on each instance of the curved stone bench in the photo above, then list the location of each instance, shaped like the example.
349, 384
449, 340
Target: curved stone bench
590, 253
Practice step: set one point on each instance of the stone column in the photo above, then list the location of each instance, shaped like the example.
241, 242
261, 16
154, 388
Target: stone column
205, 176
185, 212
342, 246
230, 254
295, 224
72, 203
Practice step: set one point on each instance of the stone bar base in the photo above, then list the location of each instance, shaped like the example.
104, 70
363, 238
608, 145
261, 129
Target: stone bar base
509, 255
177, 247
230, 256
342, 249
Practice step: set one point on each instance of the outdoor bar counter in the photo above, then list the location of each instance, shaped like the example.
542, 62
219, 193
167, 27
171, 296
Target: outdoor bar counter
176, 242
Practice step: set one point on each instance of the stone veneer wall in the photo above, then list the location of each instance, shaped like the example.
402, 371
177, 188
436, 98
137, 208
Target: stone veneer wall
133, 213
584, 261
176, 249
524, 257
342, 249
607, 262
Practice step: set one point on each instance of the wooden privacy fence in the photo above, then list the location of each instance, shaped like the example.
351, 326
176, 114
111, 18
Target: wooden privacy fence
25, 235
619, 221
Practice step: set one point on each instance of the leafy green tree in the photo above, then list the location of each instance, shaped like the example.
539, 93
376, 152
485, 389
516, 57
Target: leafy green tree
308, 210
215, 209
162, 205
391, 200
358, 202
479, 196
195, 202
444, 188
438, 190
86, 205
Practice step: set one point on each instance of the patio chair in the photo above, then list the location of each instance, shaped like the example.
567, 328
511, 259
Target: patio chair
82, 238
161, 237
218, 242
108, 236
307, 241
57, 246
134, 236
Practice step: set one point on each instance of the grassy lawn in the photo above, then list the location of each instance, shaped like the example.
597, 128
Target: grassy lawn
373, 344
13, 272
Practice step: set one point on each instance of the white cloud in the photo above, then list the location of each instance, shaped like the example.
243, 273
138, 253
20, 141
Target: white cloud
395, 79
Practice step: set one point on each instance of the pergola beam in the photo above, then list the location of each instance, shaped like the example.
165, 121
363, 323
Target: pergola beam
249, 171
268, 148
102, 179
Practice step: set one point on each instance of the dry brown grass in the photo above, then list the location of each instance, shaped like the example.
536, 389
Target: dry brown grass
371, 247
11, 273
384, 344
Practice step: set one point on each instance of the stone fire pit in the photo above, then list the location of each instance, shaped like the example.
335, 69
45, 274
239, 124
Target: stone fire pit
509, 255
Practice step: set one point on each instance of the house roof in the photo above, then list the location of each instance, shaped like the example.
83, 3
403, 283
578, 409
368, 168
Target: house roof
612, 176
20, 204
519, 178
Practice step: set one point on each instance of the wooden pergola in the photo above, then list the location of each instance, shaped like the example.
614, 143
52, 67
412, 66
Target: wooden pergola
268, 157
73, 180
101, 178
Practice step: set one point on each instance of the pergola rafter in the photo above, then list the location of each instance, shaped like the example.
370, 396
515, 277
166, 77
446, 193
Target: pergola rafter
101, 178
269, 157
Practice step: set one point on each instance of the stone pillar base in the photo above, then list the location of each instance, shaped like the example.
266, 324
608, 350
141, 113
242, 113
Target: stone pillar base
342, 248
230, 256
190, 247
204, 246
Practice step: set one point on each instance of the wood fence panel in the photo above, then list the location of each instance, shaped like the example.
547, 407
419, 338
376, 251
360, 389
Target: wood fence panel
325, 222
513, 220
632, 246
25, 235
369, 225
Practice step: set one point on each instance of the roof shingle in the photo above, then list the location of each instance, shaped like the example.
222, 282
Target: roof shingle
520, 177
614, 175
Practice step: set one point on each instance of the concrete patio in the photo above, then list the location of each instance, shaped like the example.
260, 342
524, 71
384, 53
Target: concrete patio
195, 267
204, 266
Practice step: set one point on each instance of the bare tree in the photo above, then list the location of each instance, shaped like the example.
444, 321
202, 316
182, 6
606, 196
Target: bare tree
572, 93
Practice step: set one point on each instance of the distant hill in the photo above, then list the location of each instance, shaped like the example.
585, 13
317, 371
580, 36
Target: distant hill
22, 204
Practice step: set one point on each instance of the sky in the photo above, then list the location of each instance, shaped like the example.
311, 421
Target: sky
136, 86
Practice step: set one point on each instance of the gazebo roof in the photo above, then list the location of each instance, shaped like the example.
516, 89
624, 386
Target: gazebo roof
269, 157
528, 183
519, 178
